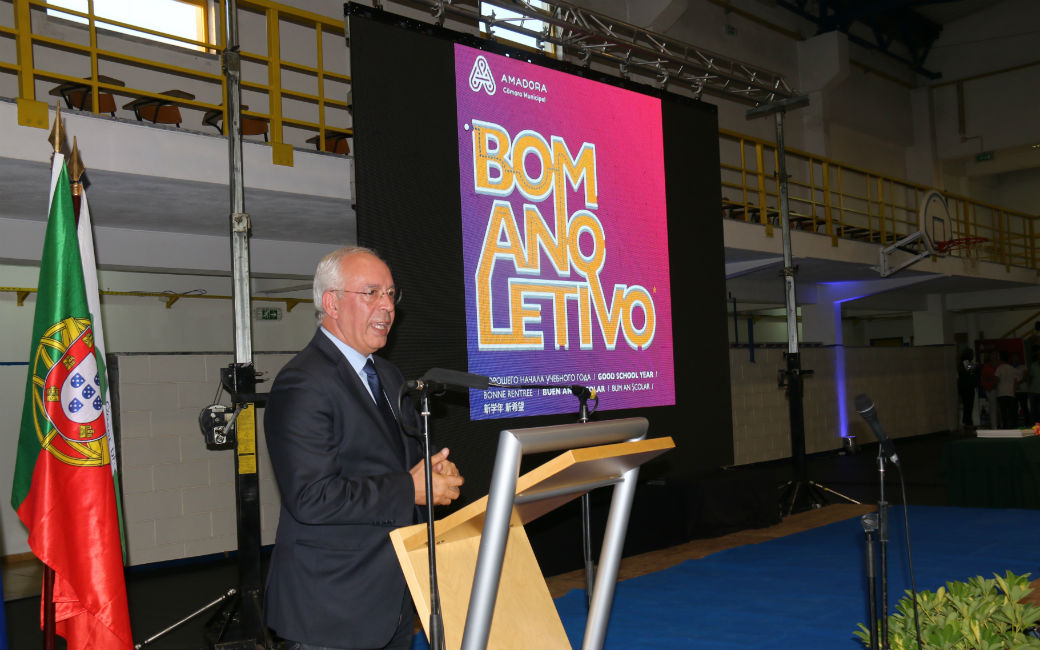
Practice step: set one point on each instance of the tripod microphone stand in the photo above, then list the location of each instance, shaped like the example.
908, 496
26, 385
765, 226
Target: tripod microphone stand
870, 526
865, 407
882, 536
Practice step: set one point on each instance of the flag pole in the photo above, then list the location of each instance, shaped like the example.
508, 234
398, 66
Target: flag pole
48, 608
76, 171
49, 630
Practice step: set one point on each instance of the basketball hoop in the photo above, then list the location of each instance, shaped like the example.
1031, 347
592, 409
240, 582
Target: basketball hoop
934, 221
959, 243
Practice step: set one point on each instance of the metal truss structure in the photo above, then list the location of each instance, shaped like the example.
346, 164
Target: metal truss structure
637, 53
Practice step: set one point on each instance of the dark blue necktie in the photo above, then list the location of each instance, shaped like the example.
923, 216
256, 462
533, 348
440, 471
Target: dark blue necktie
384, 408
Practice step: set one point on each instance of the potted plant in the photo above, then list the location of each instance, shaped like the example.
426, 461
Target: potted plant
979, 614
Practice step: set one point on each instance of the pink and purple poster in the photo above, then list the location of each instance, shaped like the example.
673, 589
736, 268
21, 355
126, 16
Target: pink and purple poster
565, 238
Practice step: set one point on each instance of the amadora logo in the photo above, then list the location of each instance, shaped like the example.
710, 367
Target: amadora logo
526, 84
480, 76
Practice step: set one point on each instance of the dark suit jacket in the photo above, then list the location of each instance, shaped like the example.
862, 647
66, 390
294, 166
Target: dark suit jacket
334, 579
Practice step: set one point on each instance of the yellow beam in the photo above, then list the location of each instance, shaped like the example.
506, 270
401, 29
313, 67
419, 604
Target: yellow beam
256, 57
312, 126
294, 15
92, 29
296, 95
23, 44
126, 58
274, 79
319, 70
169, 298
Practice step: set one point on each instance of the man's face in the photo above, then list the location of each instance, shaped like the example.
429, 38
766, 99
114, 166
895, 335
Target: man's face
361, 323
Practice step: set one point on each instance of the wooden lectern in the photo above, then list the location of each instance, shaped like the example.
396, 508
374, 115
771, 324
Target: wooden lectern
483, 547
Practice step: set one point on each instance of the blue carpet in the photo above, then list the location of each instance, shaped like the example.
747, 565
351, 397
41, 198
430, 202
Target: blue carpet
806, 590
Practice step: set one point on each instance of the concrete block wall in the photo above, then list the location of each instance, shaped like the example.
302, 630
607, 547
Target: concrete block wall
760, 416
178, 496
914, 389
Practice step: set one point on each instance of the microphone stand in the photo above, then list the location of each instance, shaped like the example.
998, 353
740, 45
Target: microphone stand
870, 526
436, 626
882, 523
586, 513
583, 394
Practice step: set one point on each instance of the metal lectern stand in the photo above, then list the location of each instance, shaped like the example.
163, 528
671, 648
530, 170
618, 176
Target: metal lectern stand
487, 567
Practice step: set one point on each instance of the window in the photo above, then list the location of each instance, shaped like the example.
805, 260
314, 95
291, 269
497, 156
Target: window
184, 18
520, 20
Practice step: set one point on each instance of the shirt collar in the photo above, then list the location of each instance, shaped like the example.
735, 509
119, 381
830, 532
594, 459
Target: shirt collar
356, 360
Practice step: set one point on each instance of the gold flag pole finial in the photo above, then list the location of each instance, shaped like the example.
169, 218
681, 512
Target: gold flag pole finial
57, 134
76, 169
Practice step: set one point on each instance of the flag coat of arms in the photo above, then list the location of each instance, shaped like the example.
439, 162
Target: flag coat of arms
64, 487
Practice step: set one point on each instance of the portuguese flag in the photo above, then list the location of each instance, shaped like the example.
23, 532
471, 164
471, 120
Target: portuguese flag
64, 489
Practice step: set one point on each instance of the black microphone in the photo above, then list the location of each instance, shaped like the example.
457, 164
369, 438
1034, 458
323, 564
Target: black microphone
437, 380
865, 407
583, 392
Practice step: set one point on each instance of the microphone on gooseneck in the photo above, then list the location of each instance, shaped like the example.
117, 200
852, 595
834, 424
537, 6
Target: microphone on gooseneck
865, 407
437, 380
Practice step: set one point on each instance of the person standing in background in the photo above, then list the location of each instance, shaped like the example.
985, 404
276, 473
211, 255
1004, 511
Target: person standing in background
1033, 383
967, 385
1007, 377
1022, 389
989, 387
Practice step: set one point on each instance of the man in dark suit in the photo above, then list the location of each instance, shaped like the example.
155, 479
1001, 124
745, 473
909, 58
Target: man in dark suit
346, 472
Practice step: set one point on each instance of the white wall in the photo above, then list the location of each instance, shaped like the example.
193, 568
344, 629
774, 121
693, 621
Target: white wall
145, 324
177, 385
914, 389
178, 496
994, 324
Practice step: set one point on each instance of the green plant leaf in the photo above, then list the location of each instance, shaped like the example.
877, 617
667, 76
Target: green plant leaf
977, 614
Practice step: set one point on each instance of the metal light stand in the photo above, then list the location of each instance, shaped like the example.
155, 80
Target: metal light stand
436, 626
792, 375
230, 593
252, 632
242, 607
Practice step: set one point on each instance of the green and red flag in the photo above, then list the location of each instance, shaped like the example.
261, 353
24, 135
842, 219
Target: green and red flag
63, 489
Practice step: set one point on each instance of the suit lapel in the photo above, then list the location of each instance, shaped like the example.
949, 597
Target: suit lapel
358, 392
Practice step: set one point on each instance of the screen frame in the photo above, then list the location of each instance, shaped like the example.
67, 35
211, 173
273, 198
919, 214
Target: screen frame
701, 419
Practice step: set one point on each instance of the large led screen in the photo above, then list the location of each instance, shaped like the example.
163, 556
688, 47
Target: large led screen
549, 225
565, 238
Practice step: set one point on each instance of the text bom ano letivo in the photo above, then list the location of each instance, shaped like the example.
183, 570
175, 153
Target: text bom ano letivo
573, 244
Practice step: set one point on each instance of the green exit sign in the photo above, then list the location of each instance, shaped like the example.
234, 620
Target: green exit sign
267, 313
984, 156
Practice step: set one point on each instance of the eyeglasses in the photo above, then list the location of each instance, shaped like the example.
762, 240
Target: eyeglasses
373, 294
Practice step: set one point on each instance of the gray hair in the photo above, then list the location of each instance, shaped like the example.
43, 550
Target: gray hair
328, 276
